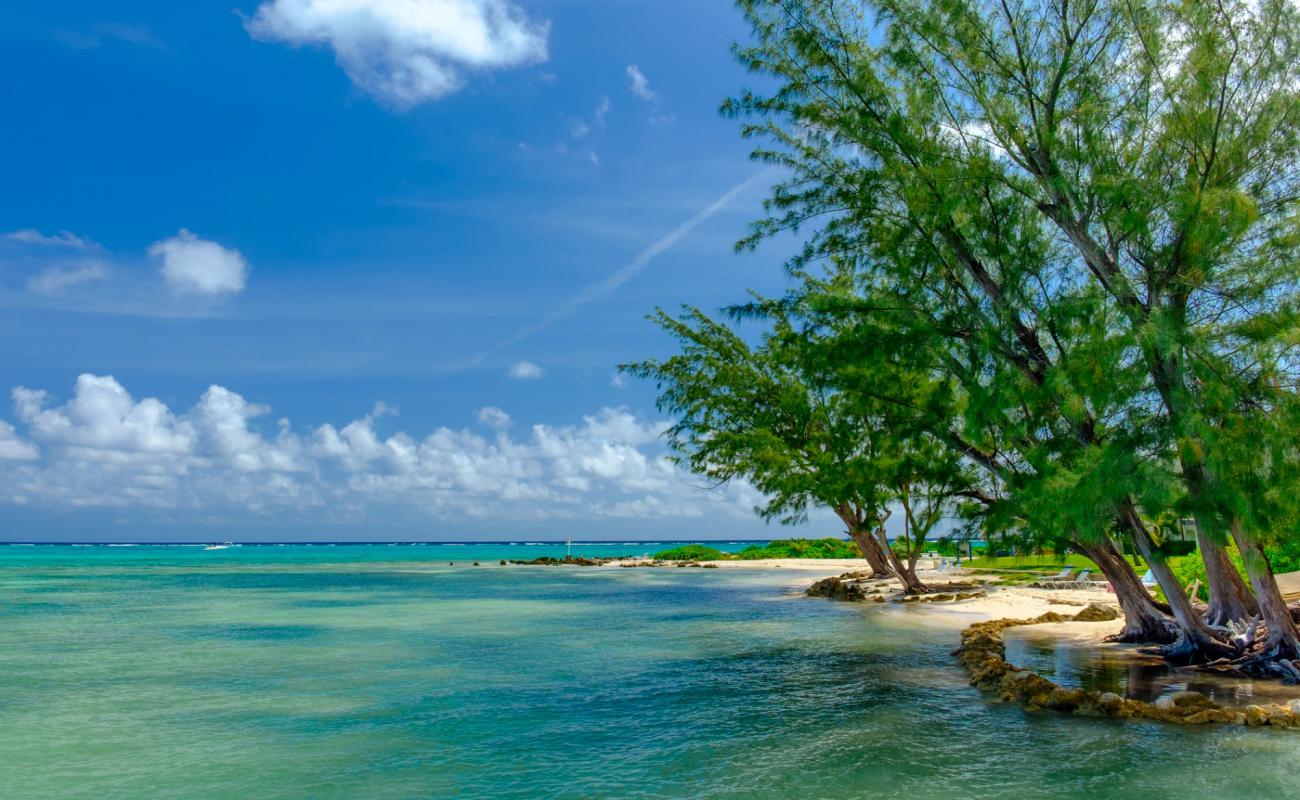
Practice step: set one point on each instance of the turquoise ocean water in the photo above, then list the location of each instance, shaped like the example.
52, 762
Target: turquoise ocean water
368, 671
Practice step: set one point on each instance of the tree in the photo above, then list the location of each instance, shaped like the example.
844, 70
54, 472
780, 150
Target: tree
1159, 142
1016, 171
771, 414
985, 417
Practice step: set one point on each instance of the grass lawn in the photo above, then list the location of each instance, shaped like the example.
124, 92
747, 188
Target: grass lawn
1054, 563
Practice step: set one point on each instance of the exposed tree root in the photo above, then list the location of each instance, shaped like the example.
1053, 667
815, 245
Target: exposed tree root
1152, 632
1248, 652
983, 654
1186, 650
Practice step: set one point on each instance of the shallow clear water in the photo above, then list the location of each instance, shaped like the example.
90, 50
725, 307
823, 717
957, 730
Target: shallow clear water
292, 675
1124, 670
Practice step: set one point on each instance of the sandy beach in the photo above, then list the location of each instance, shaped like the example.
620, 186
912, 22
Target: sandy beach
999, 603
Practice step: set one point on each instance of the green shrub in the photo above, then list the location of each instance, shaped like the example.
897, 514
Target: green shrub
1284, 557
802, 548
1191, 568
692, 552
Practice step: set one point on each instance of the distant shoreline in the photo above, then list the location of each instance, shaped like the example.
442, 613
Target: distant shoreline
398, 542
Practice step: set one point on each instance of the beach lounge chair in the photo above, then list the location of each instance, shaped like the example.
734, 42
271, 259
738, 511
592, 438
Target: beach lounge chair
1080, 582
1051, 583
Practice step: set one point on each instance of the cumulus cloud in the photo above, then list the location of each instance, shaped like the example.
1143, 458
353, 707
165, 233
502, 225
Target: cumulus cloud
639, 84
406, 52
103, 447
12, 448
102, 415
192, 265
525, 371
221, 419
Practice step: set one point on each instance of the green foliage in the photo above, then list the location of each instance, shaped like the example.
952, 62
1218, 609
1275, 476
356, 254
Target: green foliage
1049, 275
777, 548
1083, 216
692, 552
802, 548
787, 415
1285, 555
1191, 568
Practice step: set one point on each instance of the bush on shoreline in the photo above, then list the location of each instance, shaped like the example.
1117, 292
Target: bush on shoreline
691, 552
802, 548
780, 548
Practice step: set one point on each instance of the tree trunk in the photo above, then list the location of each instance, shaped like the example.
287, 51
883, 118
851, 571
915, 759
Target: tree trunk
1144, 621
1196, 642
871, 551
1230, 600
860, 533
905, 574
1283, 641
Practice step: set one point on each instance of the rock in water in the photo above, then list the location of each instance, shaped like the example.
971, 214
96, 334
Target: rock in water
845, 587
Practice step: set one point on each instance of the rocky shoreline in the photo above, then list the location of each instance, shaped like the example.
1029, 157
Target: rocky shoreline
861, 587
618, 561
983, 654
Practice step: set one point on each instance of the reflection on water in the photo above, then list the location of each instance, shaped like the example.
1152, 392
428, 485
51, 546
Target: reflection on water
1125, 671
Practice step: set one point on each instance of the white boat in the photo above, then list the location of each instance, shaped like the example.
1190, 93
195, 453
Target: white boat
221, 546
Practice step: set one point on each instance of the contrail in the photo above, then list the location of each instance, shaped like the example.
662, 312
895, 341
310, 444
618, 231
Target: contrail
599, 289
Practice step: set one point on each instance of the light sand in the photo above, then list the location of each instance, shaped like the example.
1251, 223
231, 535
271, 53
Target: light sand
1020, 602
1001, 602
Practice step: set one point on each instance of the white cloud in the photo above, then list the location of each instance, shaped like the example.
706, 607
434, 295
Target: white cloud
53, 280
639, 84
221, 419
13, 448
494, 417
196, 266
525, 371
105, 448
406, 52
618, 380
102, 415
61, 239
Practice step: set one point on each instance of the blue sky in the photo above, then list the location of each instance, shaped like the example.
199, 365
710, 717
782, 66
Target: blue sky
360, 269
